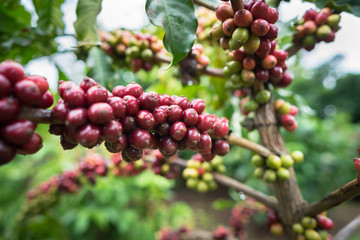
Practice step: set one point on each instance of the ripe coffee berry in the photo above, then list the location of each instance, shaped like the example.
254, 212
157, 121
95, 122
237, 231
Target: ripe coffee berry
131, 154
27, 92
96, 94
111, 131
220, 128
87, 83
118, 146
32, 146
139, 139
9, 109
192, 137
88, 135
159, 115
18, 131
132, 104
190, 117
205, 142
40, 81
12, 71
76, 117
178, 131
175, 113
133, 89
149, 101
168, 146
165, 100
221, 147
205, 122
74, 97
100, 113
145, 120
119, 91
5, 86
118, 106
7, 152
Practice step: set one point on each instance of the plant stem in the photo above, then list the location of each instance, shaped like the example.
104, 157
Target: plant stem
206, 4
293, 49
340, 195
237, 5
349, 228
252, 146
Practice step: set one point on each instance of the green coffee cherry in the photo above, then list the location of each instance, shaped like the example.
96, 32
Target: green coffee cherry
286, 161
257, 161
217, 31
309, 40
298, 228
263, 96
238, 38
311, 234
269, 176
253, 44
333, 20
165, 168
221, 169
236, 78
193, 163
212, 185
217, 161
298, 156
323, 32
206, 166
250, 105
226, 71
147, 55
192, 183
323, 234
285, 108
283, 174
208, 177
202, 187
273, 161
133, 52
234, 66
190, 173
308, 222
248, 77
259, 172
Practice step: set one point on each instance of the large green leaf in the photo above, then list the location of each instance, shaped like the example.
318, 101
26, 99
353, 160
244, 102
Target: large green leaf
14, 18
50, 15
351, 6
100, 66
179, 21
85, 25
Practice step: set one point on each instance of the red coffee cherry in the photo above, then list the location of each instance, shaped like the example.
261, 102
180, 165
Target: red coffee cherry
208, 155
205, 142
5, 86
287, 120
118, 106
182, 102
310, 15
163, 129
243, 18
118, 146
47, 100
168, 146
175, 113
264, 48
145, 120
239, 55
191, 117
65, 144
119, 91
87, 83
88, 135
9, 109
111, 131
96, 94
229, 27
262, 75
40, 81
192, 137
260, 27
133, 89
56, 129
272, 15
159, 115
76, 117
249, 63
12, 71
221, 147
32, 146
74, 97
149, 100
65, 86
220, 128
18, 131
139, 139
269, 62
178, 131
100, 113
165, 100
272, 33
260, 10
7, 152
128, 123
285, 80
27, 92
132, 105
70, 135
60, 111
280, 55
205, 122
130, 154
224, 11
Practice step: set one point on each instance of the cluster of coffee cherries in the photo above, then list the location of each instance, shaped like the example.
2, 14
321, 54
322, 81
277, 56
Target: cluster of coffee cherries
313, 228
17, 90
162, 166
168, 234
198, 173
249, 104
274, 167
273, 223
133, 50
357, 165
286, 114
126, 169
130, 120
206, 19
315, 27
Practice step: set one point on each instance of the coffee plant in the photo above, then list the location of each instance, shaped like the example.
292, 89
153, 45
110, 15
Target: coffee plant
227, 55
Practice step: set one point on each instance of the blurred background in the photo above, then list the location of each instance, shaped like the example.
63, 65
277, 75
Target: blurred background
326, 81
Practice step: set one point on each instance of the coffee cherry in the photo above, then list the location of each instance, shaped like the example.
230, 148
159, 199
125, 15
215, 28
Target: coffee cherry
9, 109
87, 83
323, 32
250, 105
7, 152
224, 11
264, 48
252, 45
119, 91
277, 229
272, 15
260, 27
5, 86
273, 162
321, 19
59, 112
163, 129
131, 154
76, 117
165, 100
257, 161
32, 146
249, 63
229, 26
357, 163
118, 106
88, 135
308, 222
118, 146
145, 120
12, 71
100, 113
65, 144
259, 172
285, 80
132, 105
96, 94
134, 90
310, 15
280, 55
221, 147
111, 131
182, 102
192, 137
149, 101
178, 131
27, 92
47, 100
269, 62
275, 74
283, 174
175, 113
243, 18
139, 139
269, 176
298, 228
324, 222
159, 115
74, 97
70, 135
260, 10
18, 131
262, 75
205, 122
56, 129
40, 81
286, 161
205, 142
217, 31
263, 96
167, 146
220, 128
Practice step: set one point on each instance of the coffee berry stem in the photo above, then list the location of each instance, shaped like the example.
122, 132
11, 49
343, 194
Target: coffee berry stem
293, 49
205, 4
252, 146
237, 5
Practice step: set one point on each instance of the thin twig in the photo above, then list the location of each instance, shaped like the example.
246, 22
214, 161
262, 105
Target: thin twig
207, 4
245, 143
238, 186
237, 5
36, 115
348, 230
216, 72
340, 195
293, 49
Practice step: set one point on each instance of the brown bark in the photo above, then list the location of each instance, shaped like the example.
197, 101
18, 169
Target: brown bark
287, 192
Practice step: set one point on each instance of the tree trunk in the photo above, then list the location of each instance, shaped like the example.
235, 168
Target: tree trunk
287, 192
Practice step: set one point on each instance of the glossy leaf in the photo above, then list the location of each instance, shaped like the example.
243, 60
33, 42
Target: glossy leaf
50, 15
100, 65
14, 18
179, 21
85, 25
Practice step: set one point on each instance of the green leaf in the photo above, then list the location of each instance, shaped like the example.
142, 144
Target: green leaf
221, 204
85, 25
179, 21
13, 19
351, 6
50, 15
100, 65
